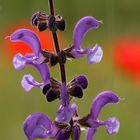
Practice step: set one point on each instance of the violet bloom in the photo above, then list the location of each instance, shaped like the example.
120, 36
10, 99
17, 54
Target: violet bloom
28, 81
85, 24
34, 59
29, 37
68, 123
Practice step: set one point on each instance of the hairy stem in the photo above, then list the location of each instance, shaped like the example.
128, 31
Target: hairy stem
56, 43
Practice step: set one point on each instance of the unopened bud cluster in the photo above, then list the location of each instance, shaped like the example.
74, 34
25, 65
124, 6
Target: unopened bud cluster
43, 21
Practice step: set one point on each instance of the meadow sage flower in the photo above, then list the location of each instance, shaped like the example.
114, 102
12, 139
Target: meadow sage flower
85, 24
67, 123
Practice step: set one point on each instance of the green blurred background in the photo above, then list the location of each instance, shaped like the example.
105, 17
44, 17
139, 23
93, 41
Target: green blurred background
121, 18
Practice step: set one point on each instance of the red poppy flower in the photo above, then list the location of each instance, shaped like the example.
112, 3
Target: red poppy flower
127, 55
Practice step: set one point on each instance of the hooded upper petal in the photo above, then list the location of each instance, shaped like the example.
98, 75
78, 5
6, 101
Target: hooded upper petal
29, 37
82, 27
102, 99
38, 125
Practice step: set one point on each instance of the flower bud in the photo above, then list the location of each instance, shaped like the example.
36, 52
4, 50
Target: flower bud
76, 91
51, 23
46, 88
42, 25
51, 95
60, 23
39, 19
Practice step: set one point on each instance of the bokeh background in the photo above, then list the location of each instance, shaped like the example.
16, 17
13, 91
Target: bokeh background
119, 70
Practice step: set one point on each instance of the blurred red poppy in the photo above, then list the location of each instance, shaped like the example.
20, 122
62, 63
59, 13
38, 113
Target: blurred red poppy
11, 48
127, 55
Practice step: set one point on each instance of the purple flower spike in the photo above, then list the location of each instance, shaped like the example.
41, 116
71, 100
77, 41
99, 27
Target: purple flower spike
68, 124
112, 125
102, 99
82, 27
29, 37
38, 125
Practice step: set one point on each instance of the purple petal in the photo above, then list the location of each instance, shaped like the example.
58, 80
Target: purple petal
76, 132
28, 82
64, 96
64, 114
112, 125
79, 53
39, 60
102, 99
82, 27
95, 55
37, 125
29, 37
43, 70
90, 133
74, 107
19, 62
62, 135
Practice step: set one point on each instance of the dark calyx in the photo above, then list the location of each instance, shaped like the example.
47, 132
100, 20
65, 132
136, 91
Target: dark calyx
52, 59
52, 90
43, 21
76, 86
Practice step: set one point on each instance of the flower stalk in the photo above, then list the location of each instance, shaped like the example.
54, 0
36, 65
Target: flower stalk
56, 43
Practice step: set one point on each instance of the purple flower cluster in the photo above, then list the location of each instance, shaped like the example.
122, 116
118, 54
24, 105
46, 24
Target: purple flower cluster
67, 122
